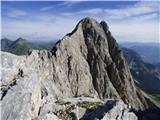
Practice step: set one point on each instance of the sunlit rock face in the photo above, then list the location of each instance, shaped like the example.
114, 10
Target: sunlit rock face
86, 63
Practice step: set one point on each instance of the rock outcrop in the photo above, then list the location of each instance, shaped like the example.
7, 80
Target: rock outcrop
86, 62
112, 110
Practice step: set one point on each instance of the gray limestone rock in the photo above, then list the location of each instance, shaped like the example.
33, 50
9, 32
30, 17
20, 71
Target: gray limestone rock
86, 62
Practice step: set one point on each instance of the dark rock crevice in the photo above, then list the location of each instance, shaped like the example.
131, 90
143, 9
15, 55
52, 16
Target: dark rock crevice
69, 67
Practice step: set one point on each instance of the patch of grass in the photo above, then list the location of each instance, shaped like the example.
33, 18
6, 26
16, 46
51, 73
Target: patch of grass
89, 105
154, 95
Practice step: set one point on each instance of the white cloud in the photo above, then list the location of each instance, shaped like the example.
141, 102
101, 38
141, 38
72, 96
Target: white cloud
37, 30
64, 4
16, 13
69, 3
93, 11
128, 12
135, 23
46, 8
143, 18
135, 10
135, 31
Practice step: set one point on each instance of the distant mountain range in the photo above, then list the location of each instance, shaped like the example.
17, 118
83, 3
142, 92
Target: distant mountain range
146, 74
22, 46
150, 52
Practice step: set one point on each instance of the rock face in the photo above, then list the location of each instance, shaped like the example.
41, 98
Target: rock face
92, 46
87, 62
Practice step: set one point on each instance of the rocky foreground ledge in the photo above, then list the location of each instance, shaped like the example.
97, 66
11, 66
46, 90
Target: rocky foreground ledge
85, 76
24, 97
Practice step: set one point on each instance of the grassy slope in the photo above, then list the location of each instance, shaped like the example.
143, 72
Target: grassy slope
153, 95
146, 73
22, 46
23, 49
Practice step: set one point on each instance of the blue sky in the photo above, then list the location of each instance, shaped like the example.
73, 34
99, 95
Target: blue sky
136, 21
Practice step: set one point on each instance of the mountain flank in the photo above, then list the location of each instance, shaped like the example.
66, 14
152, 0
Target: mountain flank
146, 74
147, 51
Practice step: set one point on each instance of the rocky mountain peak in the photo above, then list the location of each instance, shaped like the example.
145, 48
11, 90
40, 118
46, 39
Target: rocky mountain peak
85, 68
91, 44
21, 40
